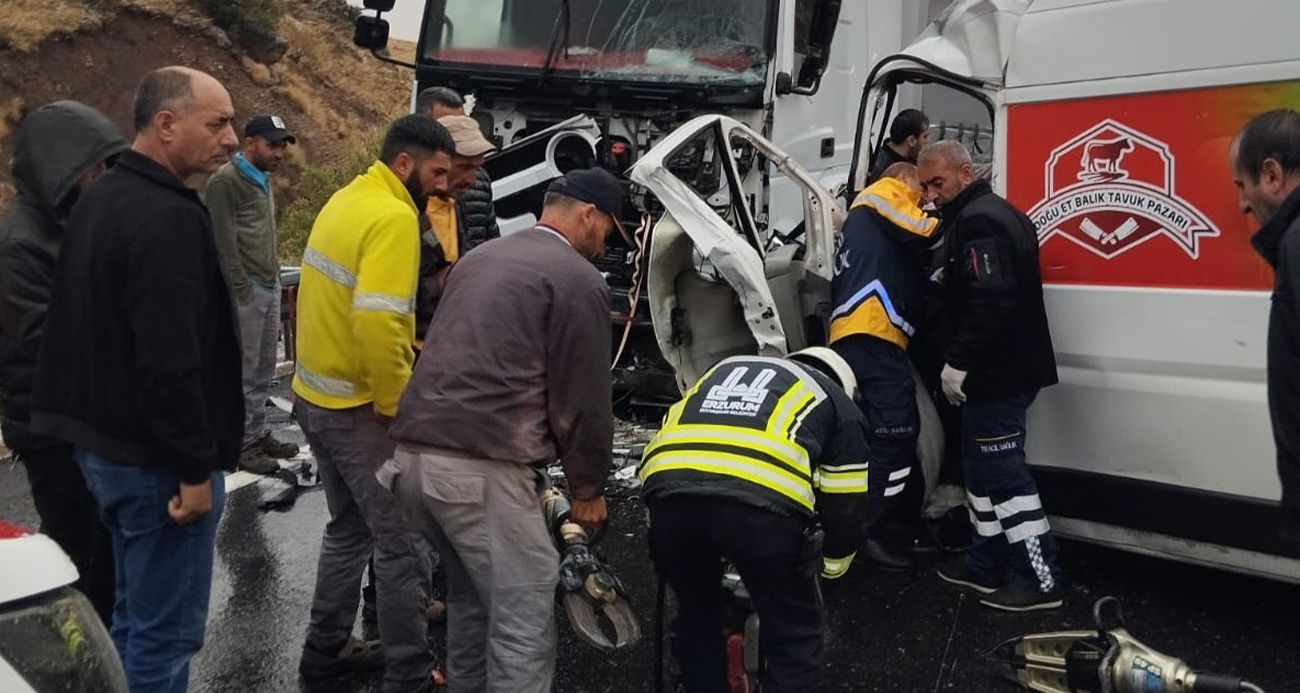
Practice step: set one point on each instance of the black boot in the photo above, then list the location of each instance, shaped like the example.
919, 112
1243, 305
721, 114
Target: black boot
885, 556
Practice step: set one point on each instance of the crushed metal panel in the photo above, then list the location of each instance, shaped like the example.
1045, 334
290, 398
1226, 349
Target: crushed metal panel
693, 245
823, 215
972, 38
713, 244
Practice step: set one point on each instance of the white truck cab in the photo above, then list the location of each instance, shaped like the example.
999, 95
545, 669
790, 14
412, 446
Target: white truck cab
568, 84
1109, 123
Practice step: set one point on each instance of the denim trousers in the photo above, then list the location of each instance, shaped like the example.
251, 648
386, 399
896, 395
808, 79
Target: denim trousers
163, 570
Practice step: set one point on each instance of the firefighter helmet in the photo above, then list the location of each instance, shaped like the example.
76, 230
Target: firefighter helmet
830, 364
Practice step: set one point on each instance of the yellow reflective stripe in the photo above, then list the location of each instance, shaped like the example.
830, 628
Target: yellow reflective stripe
322, 263
778, 447
860, 466
921, 227
786, 408
841, 482
323, 383
388, 303
802, 412
674, 414
726, 464
835, 567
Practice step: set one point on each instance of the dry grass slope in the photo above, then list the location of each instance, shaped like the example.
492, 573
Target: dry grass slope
25, 24
335, 96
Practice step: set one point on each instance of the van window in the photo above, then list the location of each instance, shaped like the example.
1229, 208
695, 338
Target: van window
954, 115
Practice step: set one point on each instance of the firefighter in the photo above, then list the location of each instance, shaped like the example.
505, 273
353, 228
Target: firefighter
878, 291
764, 462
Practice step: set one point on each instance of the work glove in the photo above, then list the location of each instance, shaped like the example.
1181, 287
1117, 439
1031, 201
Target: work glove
953, 381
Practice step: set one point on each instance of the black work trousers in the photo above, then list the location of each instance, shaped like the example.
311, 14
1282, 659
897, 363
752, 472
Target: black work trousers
888, 401
70, 516
689, 536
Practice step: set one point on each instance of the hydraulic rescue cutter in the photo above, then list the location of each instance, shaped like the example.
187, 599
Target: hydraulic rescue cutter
588, 589
1107, 660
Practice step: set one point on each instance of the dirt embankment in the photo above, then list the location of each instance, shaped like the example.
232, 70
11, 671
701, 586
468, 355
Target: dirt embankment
330, 93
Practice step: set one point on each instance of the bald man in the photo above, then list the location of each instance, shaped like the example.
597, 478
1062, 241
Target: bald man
145, 382
997, 352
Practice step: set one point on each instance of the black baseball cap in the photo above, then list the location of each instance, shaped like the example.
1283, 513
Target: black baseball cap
269, 128
595, 186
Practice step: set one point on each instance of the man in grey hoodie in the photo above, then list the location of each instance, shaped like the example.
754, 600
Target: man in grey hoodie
60, 149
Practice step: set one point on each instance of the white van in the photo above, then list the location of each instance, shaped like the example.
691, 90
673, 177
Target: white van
1108, 122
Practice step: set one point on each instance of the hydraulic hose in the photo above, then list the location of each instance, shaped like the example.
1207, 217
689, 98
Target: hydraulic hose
1206, 682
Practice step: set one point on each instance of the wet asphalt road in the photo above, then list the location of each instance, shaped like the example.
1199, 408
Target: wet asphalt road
895, 632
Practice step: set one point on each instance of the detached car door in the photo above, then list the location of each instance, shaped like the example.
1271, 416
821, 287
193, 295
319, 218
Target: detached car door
719, 283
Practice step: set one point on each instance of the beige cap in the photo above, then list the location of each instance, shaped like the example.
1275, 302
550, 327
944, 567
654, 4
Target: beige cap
467, 135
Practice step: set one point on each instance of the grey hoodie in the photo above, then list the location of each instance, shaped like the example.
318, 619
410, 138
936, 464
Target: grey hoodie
55, 144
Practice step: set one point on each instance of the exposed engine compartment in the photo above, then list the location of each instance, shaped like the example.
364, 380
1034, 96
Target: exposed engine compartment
539, 146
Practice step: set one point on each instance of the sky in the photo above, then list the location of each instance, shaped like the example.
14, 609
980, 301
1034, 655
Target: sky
404, 20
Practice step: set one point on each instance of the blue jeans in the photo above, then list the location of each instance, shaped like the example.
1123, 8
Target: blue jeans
164, 570
1010, 523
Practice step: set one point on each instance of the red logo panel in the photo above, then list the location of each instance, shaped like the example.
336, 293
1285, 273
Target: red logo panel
1136, 190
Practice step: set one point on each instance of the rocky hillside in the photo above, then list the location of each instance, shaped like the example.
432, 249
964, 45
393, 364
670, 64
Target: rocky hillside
332, 95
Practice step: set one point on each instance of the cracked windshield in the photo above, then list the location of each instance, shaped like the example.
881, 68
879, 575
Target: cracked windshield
689, 41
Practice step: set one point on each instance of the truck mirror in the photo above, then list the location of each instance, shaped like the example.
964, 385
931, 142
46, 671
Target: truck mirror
784, 84
371, 32
825, 18
379, 5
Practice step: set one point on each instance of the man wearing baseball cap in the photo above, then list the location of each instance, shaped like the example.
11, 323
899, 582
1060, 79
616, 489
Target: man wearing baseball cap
518, 377
242, 205
443, 238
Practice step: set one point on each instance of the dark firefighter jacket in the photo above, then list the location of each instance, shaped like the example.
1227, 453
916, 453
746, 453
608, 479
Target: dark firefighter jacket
995, 322
879, 284
774, 434
54, 146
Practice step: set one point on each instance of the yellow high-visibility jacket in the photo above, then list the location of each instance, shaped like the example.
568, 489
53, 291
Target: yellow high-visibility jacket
356, 299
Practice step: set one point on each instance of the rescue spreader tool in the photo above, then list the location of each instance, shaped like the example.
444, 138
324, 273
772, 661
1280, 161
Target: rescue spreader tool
1107, 660
588, 589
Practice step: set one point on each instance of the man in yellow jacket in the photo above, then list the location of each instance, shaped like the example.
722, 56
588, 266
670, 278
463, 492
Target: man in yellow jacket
356, 324
879, 296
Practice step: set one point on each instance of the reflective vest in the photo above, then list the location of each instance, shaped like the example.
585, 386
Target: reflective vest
772, 433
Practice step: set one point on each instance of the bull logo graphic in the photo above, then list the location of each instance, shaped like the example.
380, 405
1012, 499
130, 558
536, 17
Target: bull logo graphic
1101, 159
1110, 189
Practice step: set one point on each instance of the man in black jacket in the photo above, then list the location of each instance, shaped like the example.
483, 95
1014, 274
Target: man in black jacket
997, 354
1265, 159
141, 368
59, 150
908, 134
480, 213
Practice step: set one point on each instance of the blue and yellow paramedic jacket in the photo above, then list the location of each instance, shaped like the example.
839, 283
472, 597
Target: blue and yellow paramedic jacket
772, 433
879, 284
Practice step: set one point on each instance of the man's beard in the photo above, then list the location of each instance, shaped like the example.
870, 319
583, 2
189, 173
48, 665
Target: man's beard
261, 164
418, 195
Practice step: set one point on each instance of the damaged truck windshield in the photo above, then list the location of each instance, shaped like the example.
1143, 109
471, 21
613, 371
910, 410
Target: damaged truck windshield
725, 42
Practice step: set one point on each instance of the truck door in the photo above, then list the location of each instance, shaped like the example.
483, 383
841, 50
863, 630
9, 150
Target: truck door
716, 288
